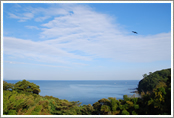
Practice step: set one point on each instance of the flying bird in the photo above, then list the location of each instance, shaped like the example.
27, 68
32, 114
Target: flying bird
134, 32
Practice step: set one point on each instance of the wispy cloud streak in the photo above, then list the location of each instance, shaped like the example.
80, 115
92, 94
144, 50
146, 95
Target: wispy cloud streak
79, 33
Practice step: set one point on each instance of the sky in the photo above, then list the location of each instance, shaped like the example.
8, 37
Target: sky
85, 41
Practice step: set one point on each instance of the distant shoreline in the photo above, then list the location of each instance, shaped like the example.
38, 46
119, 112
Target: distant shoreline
67, 80
135, 90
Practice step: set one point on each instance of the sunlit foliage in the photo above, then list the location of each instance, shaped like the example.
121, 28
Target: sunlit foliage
23, 98
149, 82
26, 86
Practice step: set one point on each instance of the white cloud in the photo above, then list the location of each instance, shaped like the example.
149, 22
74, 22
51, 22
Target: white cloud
95, 34
38, 14
22, 17
32, 27
40, 19
14, 62
17, 5
83, 21
13, 16
83, 30
38, 51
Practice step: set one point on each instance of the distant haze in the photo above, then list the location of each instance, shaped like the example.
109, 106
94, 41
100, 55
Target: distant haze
89, 41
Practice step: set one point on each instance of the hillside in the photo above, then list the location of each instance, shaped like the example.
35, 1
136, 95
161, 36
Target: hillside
23, 98
151, 81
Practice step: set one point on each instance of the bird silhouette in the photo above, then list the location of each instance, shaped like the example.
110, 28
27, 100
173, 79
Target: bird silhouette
134, 32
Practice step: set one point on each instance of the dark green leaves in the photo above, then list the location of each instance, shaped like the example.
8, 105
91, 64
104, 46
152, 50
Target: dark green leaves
26, 86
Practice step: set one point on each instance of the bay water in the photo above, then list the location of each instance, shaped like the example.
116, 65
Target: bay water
85, 91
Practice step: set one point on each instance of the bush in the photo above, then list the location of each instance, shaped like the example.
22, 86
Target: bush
125, 112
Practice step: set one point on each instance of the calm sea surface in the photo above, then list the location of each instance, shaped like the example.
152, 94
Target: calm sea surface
86, 91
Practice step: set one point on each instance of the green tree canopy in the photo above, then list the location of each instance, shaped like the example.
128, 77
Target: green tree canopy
149, 82
7, 86
26, 86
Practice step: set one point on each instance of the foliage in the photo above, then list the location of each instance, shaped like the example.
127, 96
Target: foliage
26, 86
149, 82
159, 101
23, 98
87, 109
7, 86
112, 106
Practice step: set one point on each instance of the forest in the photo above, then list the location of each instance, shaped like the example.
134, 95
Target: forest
22, 98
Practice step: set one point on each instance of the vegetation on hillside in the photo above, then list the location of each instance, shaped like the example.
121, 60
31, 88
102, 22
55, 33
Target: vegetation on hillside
23, 98
151, 81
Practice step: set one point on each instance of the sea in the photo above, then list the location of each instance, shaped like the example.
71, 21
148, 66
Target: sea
85, 91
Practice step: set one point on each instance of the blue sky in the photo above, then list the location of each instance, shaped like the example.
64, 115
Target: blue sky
89, 41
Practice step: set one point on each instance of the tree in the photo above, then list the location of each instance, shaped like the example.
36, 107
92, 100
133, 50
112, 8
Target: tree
125, 112
87, 109
149, 82
7, 86
144, 75
26, 86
